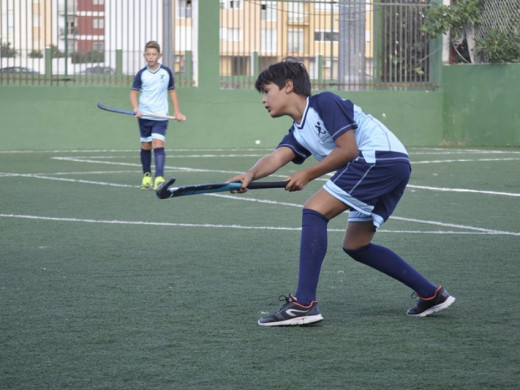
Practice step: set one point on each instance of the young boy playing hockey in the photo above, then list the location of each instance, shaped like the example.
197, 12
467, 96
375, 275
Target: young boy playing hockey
372, 169
155, 82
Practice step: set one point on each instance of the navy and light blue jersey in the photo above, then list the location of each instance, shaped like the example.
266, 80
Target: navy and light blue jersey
154, 87
326, 117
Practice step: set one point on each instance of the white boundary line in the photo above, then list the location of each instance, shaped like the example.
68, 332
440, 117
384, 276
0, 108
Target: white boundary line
245, 227
473, 230
187, 169
417, 150
464, 160
466, 190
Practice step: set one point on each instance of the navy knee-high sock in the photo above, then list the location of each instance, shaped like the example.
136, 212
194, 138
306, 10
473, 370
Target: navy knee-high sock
384, 260
159, 157
146, 160
313, 247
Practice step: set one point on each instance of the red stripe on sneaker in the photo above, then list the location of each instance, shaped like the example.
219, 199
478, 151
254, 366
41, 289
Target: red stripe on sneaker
295, 301
434, 295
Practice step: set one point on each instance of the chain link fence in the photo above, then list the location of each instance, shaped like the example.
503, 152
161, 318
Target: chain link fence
498, 33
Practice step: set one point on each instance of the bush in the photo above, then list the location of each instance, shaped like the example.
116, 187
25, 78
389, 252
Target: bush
36, 54
91, 56
7, 51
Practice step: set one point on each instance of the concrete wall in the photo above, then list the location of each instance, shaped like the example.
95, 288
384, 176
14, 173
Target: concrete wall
481, 104
47, 118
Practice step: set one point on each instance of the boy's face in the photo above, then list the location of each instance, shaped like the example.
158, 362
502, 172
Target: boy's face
275, 99
152, 57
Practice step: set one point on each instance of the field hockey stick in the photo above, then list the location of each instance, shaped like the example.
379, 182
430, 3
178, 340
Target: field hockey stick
164, 191
128, 112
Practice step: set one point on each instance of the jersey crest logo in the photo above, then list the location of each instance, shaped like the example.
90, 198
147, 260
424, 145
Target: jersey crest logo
319, 128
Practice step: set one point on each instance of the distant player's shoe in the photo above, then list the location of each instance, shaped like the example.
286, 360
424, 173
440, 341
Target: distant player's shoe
426, 306
147, 181
158, 180
293, 313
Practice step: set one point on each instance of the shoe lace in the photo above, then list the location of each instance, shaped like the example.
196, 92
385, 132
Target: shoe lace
288, 300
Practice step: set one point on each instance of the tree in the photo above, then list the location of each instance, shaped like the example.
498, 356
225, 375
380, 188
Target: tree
7, 51
458, 19
495, 43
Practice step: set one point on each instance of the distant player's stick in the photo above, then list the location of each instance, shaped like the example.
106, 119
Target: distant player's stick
164, 191
128, 112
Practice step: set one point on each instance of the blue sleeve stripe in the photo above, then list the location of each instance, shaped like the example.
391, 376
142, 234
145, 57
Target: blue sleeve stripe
171, 83
300, 157
344, 129
292, 148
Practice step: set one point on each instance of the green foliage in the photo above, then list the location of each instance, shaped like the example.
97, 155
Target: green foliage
36, 54
55, 52
495, 46
7, 51
499, 47
454, 18
91, 56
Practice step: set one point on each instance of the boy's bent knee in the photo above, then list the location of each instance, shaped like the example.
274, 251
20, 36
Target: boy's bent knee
311, 212
352, 252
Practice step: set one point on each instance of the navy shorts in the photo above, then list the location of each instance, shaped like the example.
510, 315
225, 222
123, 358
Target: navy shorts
371, 189
150, 129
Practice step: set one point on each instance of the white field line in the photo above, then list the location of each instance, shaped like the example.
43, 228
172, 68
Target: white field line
242, 227
474, 230
465, 160
188, 169
465, 190
183, 169
444, 151
413, 150
435, 223
83, 151
38, 176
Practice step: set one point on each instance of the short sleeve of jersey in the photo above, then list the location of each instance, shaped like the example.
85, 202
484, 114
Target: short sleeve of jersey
138, 81
171, 82
336, 113
290, 142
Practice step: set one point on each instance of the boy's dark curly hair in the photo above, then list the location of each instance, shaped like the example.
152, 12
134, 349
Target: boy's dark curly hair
287, 69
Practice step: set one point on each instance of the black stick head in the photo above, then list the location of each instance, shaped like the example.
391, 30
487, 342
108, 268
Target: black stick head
162, 190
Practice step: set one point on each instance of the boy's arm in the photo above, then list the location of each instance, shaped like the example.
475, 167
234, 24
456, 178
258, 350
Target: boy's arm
176, 109
135, 103
265, 166
346, 150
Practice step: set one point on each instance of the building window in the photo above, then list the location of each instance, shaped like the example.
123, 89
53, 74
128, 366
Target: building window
183, 38
184, 9
98, 23
230, 4
329, 6
296, 12
326, 36
98, 46
98, 2
295, 40
269, 40
231, 34
268, 11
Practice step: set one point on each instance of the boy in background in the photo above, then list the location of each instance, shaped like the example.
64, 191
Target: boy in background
154, 82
